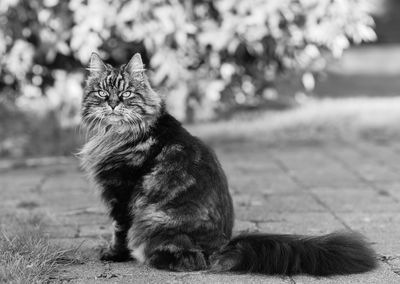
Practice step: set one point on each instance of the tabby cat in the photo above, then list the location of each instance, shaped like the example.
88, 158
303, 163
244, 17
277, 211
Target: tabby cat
168, 195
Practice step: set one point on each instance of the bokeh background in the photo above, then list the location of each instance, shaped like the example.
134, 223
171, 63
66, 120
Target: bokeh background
229, 68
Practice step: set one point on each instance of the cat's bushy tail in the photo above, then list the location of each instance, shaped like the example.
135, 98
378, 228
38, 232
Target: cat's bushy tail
336, 253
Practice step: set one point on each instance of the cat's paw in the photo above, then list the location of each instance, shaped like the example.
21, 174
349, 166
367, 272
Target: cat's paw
110, 254
185, 260
190, 260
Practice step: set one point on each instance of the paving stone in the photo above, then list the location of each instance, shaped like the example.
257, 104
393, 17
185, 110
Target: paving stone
317, 169
251, 166
278, 183
340, 189
17, 183
68, 201
84, 219
61, 231
306, 223
385, 154
86, 246
306, 159
379, 227
69, 182
391, 188
79, 273
248, 199
327, 177
355, 200
136, 273
394, 263
365, 165
381, 275
95, 230
279, 203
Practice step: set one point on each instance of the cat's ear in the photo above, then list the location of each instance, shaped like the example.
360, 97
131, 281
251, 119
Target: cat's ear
96, 65
135, 67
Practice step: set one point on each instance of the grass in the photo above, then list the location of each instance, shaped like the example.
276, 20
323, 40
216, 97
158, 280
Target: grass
363, 118
26, 255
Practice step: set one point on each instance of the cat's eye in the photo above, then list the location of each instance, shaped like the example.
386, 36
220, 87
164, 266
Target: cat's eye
127, 94
102, 94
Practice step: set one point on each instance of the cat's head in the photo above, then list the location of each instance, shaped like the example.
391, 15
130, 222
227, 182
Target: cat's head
119, 98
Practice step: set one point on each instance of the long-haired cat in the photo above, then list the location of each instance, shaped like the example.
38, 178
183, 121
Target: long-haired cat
168, 195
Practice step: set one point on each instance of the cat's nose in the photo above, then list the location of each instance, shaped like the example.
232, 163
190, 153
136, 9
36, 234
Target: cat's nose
113, 104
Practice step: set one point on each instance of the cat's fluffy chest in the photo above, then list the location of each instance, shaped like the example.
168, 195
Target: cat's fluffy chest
112, 156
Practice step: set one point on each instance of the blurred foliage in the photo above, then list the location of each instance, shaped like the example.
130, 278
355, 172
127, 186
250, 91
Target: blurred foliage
207, 56
210, 54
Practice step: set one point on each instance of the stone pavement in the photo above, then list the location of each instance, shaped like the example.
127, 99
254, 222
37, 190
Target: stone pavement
302, 188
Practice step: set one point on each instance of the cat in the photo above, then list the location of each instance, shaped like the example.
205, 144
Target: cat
168, 195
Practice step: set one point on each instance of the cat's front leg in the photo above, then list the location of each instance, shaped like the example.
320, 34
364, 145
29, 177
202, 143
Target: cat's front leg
118, 248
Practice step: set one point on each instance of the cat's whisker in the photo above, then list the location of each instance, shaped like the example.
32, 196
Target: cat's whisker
99, 123
129, 121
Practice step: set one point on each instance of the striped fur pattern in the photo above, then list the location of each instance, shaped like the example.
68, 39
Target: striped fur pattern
168, 195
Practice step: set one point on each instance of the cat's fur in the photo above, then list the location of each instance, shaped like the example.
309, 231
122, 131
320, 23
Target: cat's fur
168, 195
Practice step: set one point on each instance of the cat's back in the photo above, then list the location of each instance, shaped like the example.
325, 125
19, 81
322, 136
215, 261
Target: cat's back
185, 150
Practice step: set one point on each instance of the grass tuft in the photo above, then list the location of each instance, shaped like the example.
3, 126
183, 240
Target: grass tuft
26, 255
